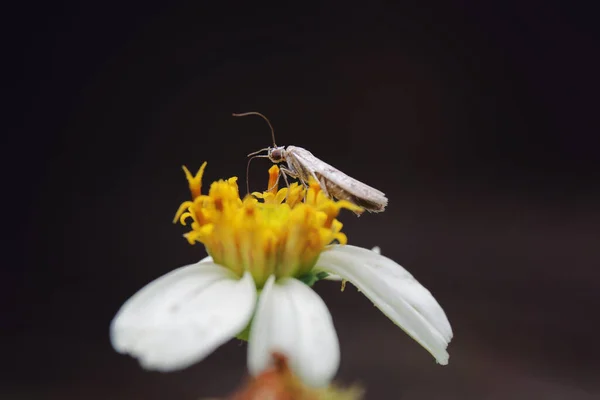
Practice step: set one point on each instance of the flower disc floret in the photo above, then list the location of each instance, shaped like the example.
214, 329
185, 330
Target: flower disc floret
276, 232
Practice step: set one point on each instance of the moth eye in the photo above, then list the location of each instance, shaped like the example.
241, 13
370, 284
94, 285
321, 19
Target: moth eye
277, 155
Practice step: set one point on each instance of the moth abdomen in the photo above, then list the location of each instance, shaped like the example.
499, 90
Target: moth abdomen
334, 190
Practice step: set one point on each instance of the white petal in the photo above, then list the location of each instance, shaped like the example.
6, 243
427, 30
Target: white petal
293, 320
181, 317
395, 292
337, 278
333, 277
206, 259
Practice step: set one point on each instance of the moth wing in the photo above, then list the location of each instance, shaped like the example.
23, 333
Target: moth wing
333, 178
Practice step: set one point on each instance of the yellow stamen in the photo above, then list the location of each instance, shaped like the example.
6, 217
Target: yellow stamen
273, 232
273, 179
195, 182
343, 284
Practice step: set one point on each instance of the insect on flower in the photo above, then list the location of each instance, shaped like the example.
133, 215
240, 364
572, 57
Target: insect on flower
303, 165
266, 251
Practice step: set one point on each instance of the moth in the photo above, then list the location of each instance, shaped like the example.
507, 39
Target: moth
302, 165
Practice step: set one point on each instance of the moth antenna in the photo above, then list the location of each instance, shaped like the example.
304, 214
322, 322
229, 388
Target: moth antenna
263, 117
257, 151
248, 168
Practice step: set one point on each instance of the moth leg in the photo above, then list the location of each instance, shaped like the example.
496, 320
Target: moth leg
286, 171
323, 184
302, 181
276, 183
289, 172
305, 189
284, 174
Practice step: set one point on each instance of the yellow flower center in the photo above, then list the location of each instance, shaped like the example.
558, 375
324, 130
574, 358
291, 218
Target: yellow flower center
279, 232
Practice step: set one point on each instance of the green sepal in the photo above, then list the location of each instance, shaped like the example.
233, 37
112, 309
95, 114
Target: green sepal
312, 277
245, 334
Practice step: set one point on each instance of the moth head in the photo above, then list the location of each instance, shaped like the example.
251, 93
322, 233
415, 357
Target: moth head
276, 154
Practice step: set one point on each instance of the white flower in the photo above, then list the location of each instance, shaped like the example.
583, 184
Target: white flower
265, 254
181, 317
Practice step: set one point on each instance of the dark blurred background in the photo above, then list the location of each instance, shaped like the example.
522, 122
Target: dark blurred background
479, 121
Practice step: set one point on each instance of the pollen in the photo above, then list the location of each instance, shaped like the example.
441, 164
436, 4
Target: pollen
278, 231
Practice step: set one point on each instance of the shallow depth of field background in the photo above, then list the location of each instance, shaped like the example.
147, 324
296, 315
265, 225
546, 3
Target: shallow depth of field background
477, 121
